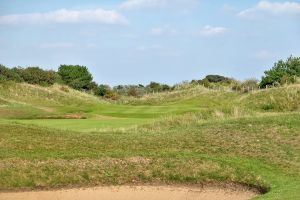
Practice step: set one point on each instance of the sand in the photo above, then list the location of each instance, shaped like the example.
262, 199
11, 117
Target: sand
133, 193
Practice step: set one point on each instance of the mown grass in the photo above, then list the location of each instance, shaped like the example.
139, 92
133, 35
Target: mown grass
258, 151
84, 125
195, 137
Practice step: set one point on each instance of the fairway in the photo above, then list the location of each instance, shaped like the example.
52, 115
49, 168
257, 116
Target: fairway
85, 125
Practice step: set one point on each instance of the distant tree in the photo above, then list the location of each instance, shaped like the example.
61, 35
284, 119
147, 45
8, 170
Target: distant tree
93, 86
165, 87
76, 76
7, 74
204, 82
119, 87
282, 72
216, 78
154, 86
36, 75
102, 90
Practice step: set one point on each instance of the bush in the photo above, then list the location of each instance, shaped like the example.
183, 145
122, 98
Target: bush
282, 72
35, 75
157, 87
7, 74
153, 86
102, 90
32, 75
216, 78
76, 76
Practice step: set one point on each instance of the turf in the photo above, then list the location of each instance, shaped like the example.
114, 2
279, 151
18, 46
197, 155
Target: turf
209, 137
84, 125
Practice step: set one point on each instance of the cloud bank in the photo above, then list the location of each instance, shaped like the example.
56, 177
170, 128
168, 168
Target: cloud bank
66, 16
273, 8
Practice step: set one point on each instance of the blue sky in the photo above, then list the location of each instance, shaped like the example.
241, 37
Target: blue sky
138, 41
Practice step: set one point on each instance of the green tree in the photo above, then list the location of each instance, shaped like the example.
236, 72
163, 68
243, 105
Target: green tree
282, 72
7, 74
154, 86
102, 90
216, 78
76, 76
36, 75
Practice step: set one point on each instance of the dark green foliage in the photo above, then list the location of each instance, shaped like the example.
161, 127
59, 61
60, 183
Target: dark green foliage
102, 90
165, 87
76, 76
282, 72
204, 82
36, 75
154, 86
212, 81
216, 78
32, 75
157, 87
7, 74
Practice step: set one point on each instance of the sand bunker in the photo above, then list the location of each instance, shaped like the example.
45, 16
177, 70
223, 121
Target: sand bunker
133, 193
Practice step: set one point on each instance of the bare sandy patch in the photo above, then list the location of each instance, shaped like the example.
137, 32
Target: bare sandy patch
134, 193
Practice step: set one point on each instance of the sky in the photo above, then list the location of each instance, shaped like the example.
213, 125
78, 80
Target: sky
138, 41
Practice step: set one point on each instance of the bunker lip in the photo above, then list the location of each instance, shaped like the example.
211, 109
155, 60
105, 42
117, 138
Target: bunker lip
232, 186
132, 192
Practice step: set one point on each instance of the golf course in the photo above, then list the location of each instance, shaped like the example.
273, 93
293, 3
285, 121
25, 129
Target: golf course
149, 100
53, 137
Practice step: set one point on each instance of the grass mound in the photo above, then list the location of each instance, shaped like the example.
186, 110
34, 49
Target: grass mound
195, 137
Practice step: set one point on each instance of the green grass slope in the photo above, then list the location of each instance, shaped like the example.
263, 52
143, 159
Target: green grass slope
258, 151
191, 138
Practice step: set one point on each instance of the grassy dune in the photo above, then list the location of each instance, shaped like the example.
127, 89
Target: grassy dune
197, 136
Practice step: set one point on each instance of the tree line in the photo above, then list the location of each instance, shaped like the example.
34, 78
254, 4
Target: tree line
78, 77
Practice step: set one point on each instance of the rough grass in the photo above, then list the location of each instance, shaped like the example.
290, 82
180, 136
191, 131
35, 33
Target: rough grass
258, 151
190, 137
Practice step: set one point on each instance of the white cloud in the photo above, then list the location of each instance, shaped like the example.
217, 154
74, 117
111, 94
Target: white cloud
138, 4
273, 8
66, 16
163, 31
212, 31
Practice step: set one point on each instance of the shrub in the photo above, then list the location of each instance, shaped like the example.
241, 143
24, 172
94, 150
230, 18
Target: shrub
282, 72
35, 75
157, 87
76, 76
216, 78
7, 74
153, 86
102, 90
